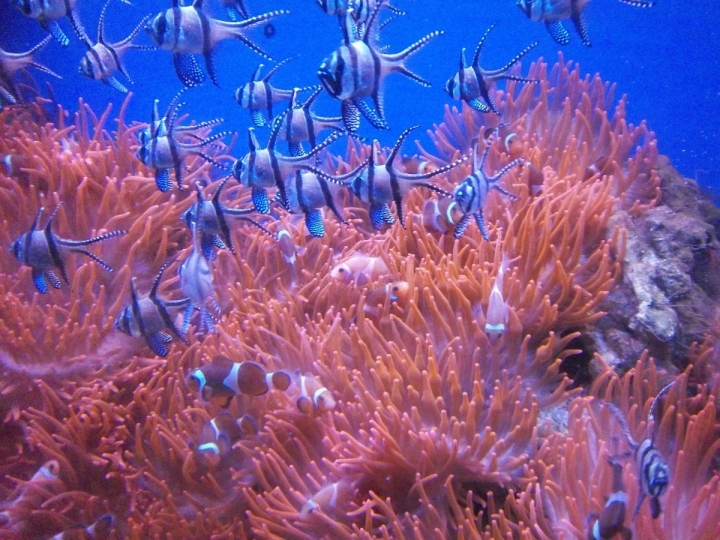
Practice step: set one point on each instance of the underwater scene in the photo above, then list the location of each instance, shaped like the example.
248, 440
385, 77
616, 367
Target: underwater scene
336, 269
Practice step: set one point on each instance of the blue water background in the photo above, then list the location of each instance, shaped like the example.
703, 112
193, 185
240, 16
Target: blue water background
664, 58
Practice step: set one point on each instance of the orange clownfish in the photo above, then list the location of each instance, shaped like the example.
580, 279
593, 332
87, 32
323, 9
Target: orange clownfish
360, 268
497, 311
330, 500
375, 299
441, 215
220, 433
314, 397
611, 521
222, 379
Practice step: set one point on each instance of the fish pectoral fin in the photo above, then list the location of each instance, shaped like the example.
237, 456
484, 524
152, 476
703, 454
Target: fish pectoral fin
157, 342
117, 85
558, 32
187, 69
313, 220
350, 115
260, 200
162, 179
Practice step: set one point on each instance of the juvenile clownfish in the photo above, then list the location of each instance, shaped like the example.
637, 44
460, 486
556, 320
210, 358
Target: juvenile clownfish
360, 268
392, 293
222, 379
441, 215
314, 397
330, 500
219, 434
611, 521
497, 311
508, 140
11, 164
99, 530
596, 168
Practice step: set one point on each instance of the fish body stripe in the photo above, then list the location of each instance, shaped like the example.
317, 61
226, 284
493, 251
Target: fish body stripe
268, 98
231, 380
200, 376
205, 30
54, 252
211, 446
177, 25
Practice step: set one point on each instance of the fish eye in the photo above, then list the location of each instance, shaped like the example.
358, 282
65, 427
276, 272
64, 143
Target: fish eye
237, 169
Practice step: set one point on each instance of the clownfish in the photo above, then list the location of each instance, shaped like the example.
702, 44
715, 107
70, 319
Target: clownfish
611, 520
497, 311
596, 168
314, 397
441, 215
99, 530
360, 268
219, 434
222, 379
508, 140
330, 500
392, 293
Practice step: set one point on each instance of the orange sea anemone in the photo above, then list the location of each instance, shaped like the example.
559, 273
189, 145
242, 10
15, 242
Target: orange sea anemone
435, 428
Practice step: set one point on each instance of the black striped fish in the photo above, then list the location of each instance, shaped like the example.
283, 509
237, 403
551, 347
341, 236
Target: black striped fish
259, 95
553, 12
359, 10
158, 126
357, 69
103, 59
147, 317
264, 168
299, 124
382, 184
42, 251
471, 194
212, 217
472, 83
48, 12
188, 30
10, 63
162, 151
652, 469
308, 193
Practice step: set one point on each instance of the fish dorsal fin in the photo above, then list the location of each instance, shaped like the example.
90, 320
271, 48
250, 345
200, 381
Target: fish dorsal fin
156, 282
252, 140
398, 145
312, 97
293, 99
200, 195
101, 24
155, 119
653, 408
370, 22
48, 226
275, 131
478, 49
135, 305
463, 65
256, 73
198, 4
36, 220
175, 3
277, 66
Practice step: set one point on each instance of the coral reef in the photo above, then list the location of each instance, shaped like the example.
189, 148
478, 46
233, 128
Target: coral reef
438, 428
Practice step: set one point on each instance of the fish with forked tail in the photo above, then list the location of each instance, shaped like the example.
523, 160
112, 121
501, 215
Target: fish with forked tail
188, 30
147, 317
43, 251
